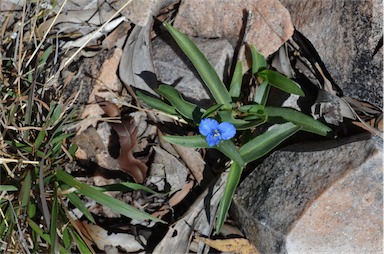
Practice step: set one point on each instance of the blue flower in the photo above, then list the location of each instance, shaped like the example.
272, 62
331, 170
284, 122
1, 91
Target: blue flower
214, 132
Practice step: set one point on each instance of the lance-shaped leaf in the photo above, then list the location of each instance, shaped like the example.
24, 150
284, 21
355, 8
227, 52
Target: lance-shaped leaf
211, 110
233, 180
307, 123
241, 124
236, 82
185, 108
262, 92
264, 143
258, 60
157, 104
196, 141
206, 71
103, 199
228, 148
281, 82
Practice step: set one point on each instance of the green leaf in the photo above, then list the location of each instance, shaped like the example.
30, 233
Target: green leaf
8, 188
103, 199
124, 187
233, 180
185, 108
252, 109
240, 124
196, 141
307, 123
281, 82
228, 148
43, 58
211, 110
235, 87
76, 201
203, 67
262, 92
157, 104
264, 143
82, 246
39, 140
258, 60
26, 189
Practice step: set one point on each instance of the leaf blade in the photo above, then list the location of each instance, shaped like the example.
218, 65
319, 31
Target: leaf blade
264, 143
206, 71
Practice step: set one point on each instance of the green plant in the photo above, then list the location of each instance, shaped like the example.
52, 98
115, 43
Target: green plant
230, 114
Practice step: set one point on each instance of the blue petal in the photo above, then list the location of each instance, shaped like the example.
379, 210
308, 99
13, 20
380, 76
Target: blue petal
207, 125
212, 139
227, 130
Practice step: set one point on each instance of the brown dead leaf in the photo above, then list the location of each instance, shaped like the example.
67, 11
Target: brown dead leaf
108, 107
128, 137
237, 245
193, 160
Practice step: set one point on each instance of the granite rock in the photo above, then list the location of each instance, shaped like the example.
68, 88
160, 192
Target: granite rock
315, 197
174, 68
271, 24
346, 35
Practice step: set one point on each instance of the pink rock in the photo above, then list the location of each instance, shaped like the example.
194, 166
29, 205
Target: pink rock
271, 26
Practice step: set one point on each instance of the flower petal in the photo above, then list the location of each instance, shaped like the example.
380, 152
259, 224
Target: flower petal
207, 125
213, 139
227, 130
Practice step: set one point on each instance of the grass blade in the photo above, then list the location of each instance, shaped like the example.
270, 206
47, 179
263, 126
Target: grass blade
103, 199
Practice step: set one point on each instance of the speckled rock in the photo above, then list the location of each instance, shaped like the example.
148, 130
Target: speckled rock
271, 25
346, 35
316, 197
174, 68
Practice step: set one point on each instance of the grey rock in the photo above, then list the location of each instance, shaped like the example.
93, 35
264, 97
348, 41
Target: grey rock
315, 197
345, 33
174, 68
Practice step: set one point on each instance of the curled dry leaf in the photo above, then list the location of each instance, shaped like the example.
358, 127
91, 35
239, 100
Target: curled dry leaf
128, 137
236, 245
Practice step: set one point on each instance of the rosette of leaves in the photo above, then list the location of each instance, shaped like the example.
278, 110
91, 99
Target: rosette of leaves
227, 110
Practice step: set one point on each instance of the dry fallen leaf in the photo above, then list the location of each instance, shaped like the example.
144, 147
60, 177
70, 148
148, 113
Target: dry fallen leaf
128, 137
136, 67
237, 245
120, 241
